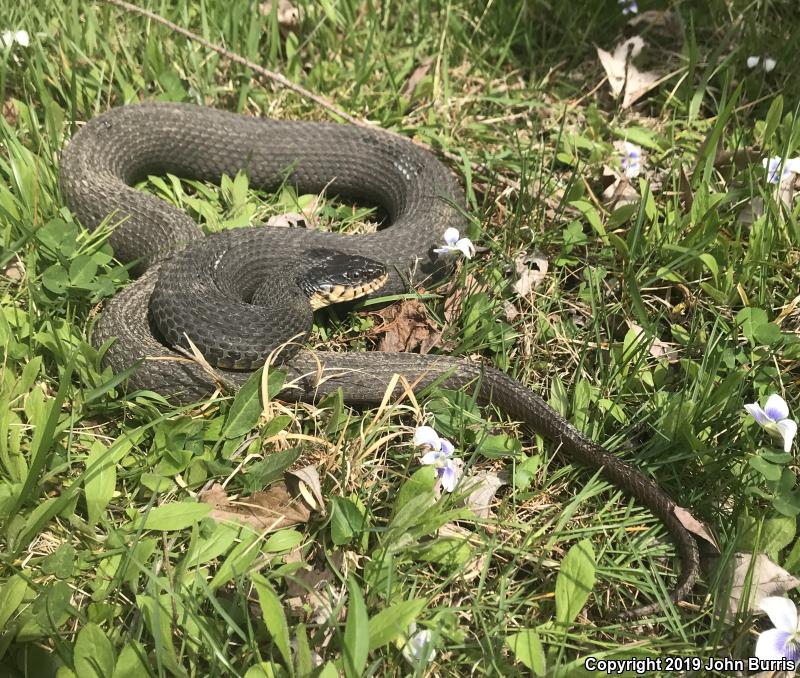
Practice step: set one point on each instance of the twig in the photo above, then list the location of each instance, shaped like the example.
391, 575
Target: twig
294, 87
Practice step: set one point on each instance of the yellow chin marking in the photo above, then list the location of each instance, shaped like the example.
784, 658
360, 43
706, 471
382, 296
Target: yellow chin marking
340, 293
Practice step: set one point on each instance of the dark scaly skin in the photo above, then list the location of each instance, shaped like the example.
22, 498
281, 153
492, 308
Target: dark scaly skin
419, 193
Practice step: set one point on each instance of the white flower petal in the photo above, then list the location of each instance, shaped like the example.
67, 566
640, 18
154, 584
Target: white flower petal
451, 236
769, 64
752, 61
633, 151
466, 247
419, 648
447, 447
442, 250
755, 411
771, 644
7, 38
430, 458
788, 430
425, 435
632, 170
776, 408
792, 165
449, 477
23, 39
782, 613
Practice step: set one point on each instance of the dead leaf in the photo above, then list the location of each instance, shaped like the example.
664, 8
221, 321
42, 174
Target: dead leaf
454, 300
288, 15
695, 526
657, 348
530, 278
664, 22
619, 191
287, 220
406, 328
482, 487
313, 589
273, 509
624, 78
416, 77
766, 579
510, 311
306, 482
10, 112
14, 270
687, 194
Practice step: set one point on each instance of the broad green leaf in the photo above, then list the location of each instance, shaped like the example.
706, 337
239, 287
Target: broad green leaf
99, 481
265, 670
329, 671
356, 632
60, 563
346, 521
262, 473
575, 581
246, 408
393, 621
238, 561
205, 547
94, 655
132, 662
283, 540
11, 595
772, 120
499, 446
528, 650
420, 483
55, 279
303, 659
274, 617
176, 516
770, 471
276, 425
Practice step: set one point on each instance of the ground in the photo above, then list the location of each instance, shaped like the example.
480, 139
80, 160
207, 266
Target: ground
648, 292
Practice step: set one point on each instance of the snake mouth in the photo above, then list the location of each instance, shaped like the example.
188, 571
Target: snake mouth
336, 294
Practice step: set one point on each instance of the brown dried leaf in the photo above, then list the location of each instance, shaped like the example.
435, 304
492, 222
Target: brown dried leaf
619, 191
482, 487
288, 220
288, 15
665, 22
530, 278
623, 77
10, 112
695, 526
314, 589
273, 509
305, 482
767, 579
416, 77
15, 270
458, 292
657, 347
406, 327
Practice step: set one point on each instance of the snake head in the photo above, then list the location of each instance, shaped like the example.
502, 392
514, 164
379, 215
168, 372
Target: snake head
334, 277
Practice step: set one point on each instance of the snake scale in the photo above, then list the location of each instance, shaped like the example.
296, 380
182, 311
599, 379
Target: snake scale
119, 148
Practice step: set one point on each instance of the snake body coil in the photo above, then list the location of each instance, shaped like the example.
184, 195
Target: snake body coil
117, 149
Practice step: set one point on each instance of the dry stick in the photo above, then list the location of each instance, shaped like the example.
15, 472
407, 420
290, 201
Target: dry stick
285, 82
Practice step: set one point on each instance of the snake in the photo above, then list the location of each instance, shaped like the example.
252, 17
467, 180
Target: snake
169, 255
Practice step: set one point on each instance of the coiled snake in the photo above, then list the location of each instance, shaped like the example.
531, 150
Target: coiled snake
121, 147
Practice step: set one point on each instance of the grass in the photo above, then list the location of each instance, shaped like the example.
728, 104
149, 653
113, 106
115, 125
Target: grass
109, 568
